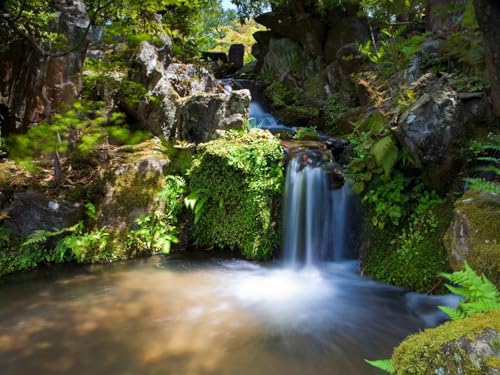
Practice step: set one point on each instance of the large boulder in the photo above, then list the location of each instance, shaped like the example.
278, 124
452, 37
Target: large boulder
433, 132
30, 211
346, 30
468, 346
33, 84
182, 101
473, 234
131, 186
201, 115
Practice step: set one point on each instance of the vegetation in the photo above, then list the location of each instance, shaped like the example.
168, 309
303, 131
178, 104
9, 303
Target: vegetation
235, 185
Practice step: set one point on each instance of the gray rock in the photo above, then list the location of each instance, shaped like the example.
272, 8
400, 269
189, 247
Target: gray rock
201, 115
31, 211
236, 55
432, 130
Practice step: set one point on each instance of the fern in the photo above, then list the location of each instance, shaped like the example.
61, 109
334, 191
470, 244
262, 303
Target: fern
40, 236
385, 153
196, 201
482, 184
480, 294
382, 364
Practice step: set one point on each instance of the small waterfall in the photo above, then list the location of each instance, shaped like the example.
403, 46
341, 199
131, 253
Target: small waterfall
316, 217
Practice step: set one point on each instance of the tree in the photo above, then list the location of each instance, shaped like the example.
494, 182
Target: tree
488, 17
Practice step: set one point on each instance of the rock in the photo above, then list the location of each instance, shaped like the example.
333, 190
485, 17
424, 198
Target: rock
33, 85
429, 55
335, 174
130, 190
183, 101
31, 211
202, 114
468, 346
236, 56
432, 131
214, 56
189, 79
345, 31
473, 234
95, 54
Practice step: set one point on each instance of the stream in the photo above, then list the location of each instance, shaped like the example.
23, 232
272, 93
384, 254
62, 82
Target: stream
203, 313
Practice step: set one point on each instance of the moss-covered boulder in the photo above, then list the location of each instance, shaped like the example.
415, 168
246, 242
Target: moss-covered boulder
470, 346
240, 178
473, 235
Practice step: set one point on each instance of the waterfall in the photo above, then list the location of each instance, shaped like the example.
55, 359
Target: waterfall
316, 218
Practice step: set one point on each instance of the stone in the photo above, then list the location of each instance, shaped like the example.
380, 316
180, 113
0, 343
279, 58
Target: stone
236, 56
214, 56
33, 84
131, 188
201, 115
345, 31
468, 346
30, 211
473, 234
432, 130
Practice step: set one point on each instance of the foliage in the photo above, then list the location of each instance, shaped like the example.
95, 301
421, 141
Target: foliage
335, 108
411, 255
310, 134
157, 231
486, 153
282, 95
236, 181
480, 295
76, 131
387, 200
385, 365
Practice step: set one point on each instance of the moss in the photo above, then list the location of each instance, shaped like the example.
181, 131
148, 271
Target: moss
480, 214
242, 175
493, 362
417, 268
431, 350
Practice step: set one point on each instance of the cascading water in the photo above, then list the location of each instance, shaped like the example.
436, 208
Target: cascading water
315, 215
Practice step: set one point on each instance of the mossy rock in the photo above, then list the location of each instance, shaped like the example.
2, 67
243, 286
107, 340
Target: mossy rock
418, 270
242, 176
470, 346
473, 234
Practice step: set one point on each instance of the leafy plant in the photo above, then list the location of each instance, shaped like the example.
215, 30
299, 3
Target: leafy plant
196, 201
480, 295
306, 133
385, 365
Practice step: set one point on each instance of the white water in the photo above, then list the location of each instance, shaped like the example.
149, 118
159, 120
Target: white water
316, 218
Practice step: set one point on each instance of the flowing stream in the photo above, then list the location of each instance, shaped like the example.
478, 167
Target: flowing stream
311, 313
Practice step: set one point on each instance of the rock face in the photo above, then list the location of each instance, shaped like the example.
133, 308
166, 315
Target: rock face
130, 190
432, 130
473, 234
183, 101
468, 346
31, 211
32, 84
236, 56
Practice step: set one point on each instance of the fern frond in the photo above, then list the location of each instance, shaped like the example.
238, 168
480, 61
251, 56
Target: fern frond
382, 364
385, 153
480, 294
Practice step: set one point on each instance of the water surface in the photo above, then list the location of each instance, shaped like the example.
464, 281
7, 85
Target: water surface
203, 316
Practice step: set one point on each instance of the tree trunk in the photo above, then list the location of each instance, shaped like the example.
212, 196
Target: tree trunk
488, 17
440, 14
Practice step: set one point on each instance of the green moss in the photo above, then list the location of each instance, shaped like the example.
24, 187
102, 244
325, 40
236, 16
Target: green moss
416, 263
429, 351
482, 214
243, 175
493, 362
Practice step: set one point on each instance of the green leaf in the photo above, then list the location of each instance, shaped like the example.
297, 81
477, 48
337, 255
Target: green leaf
385, 153
382, 364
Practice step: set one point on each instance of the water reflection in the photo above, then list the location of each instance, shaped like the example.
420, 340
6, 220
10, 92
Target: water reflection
202, 317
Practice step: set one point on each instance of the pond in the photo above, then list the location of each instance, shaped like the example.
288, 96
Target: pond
198, 315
